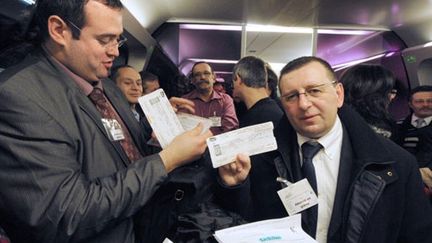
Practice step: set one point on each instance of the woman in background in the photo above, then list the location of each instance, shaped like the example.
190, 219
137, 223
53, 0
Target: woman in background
369, 89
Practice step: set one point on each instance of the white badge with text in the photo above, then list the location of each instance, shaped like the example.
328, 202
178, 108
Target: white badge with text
216, 121
298, 197
113, 128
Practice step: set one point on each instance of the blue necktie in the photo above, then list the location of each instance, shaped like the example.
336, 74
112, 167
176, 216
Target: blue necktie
309, 150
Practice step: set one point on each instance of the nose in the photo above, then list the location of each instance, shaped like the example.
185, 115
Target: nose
304, 102
113, 51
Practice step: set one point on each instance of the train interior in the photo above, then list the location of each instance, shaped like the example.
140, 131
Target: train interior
167, 36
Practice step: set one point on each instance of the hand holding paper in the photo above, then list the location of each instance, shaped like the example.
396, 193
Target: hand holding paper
236, 172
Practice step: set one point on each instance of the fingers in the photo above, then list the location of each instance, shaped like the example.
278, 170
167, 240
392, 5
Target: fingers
182, 104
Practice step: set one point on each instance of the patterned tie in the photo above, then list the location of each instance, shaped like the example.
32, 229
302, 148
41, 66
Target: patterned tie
420, 122
107, 111
309, 150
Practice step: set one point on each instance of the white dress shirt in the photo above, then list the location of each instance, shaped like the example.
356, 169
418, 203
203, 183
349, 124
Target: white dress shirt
326, 164
414, 119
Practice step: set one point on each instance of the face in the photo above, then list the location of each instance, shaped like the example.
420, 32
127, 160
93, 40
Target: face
203, 78
236, 89
311, 116
421, 104
90, 56
151, 86
129, 82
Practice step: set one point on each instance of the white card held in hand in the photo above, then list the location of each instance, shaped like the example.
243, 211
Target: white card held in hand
161, 116
163, 120
250, 140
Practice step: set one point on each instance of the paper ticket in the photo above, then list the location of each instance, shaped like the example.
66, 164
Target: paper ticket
250, 140
161, 116
189, 121
165, 123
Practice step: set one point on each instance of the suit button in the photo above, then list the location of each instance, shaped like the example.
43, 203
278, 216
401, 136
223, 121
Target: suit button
178, 195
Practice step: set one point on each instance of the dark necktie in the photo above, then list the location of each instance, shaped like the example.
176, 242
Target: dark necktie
107, 111
420, 123
309, 150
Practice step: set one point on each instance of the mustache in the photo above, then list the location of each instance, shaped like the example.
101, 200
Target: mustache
201, 81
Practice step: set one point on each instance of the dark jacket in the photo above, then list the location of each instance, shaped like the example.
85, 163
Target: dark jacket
379, 195
417, 141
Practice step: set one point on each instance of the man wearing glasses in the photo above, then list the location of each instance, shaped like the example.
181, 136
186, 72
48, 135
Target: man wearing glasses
368, 189
209, 103
73, 167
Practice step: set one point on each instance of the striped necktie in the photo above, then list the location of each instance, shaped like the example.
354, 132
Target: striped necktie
107, 111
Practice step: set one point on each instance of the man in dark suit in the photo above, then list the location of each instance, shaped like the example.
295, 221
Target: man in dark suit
368, 188
73, 169
415, 131
250, 87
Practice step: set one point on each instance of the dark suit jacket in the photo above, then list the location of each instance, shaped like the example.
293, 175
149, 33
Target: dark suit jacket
423, 149
379, 195
61, 178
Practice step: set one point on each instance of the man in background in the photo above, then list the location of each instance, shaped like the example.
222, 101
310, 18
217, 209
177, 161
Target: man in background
250, 87
128, 80
218, 107
415, 131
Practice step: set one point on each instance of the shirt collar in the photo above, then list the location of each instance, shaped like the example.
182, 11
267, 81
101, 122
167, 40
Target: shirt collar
414, 118
85, 86
329, 141
215, 95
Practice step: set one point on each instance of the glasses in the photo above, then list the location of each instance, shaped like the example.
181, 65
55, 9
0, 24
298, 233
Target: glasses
199, 74
314, 91
428, 101
106, 41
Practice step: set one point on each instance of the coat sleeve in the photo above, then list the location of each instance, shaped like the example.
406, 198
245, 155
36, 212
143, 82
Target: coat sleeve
43, 188
416, 227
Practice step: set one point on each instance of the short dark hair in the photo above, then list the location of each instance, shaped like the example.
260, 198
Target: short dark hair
115, 71
148, 76
421, 88
68, 10
272, 81
252, 71
303, 61
367, 88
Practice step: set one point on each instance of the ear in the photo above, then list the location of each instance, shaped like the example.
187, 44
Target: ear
58, 30
239, 79
340, 94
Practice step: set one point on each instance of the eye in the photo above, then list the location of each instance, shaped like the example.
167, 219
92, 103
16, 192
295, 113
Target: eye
314, 91
104, 40
290, 97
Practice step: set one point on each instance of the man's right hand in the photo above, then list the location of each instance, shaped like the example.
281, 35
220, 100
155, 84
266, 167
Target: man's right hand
185, 148
236, 172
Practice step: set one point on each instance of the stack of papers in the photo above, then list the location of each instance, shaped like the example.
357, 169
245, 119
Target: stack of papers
286, 230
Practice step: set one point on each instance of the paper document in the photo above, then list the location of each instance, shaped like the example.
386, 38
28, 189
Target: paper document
250, 140
189, 121
283, 230
165, 123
